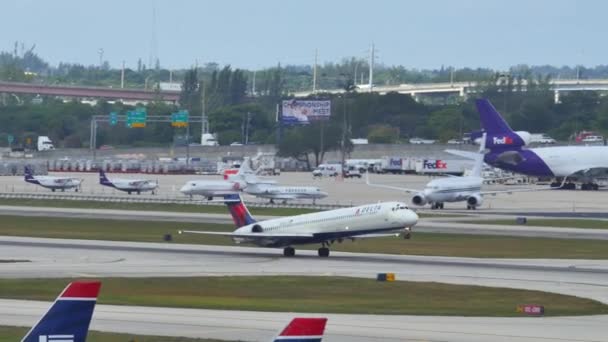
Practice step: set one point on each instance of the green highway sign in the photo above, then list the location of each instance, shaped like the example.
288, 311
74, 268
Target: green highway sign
180, 119
137, 118
10, 138
113, 118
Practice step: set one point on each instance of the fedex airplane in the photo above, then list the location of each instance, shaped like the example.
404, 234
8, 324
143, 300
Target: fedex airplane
452, 189
270, 190
326, 227
51, 182
128, 185
303, 330
507, 151
69, 317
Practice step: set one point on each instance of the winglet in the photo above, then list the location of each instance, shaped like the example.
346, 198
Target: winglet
69, 317
303, 330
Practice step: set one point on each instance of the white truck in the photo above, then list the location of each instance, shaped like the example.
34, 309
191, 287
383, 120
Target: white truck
443, 166
45, 143
208, 139
541, 138
395, 165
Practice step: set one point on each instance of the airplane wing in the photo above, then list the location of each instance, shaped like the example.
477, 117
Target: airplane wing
370, 236
249, 235
388, 186
592, 173
510, 191
464, 154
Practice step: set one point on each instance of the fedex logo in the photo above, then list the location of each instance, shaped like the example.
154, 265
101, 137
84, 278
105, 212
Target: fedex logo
434, 164
56, 338
502, 141
395, 162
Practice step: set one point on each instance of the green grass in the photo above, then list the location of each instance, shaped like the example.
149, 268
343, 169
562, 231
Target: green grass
172, 207
312, 294
559, 223
17, 333
481, 246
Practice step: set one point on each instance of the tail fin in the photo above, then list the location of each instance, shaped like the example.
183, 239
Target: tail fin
103, 180
238, 210
27, 172
69, 317
478, 167
303, 330
491, 120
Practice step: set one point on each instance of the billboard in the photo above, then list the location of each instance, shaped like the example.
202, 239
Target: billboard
303, 112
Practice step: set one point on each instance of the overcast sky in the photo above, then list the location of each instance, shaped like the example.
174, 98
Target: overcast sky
256, 34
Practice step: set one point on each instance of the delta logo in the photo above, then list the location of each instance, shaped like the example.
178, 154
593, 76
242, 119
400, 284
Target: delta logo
434, 164
502, 141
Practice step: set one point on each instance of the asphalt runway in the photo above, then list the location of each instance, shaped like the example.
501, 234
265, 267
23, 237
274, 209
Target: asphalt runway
263, 326
355, 191
449, 225
78, 258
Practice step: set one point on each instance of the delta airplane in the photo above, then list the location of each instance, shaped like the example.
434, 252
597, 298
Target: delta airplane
69, 317
507, 151
270, 190
53, 183
453, 189
303, 330
326, 227
128, 185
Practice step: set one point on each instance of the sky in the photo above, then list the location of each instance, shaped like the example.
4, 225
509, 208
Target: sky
256, 34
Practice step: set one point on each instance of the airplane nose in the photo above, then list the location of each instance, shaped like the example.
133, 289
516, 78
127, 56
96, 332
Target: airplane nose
185, 189
413, 217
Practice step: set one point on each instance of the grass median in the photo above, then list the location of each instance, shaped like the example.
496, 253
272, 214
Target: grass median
558, 223
17, 333
481, 246
313, 294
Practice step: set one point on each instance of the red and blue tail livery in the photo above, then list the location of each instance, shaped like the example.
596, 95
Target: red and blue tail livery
303, 330
238, 210
69, 317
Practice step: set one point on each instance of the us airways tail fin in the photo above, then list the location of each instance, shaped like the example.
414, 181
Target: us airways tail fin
238, 210
303, 330
69, 317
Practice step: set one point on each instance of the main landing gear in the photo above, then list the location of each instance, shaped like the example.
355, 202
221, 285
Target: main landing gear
471, 207
323, 252
289, 251
437, 205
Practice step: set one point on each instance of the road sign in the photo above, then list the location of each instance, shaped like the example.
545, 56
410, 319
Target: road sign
113, 118
180, 119
137, 118
10, 138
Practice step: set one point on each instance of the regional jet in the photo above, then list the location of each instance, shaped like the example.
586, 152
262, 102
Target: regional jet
69, 317
453, 189
507, 151
325, 228
51, 182
128, 185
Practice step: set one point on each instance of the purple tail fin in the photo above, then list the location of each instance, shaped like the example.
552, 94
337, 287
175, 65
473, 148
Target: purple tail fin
491, 120
69, 317
103, 180
29, 175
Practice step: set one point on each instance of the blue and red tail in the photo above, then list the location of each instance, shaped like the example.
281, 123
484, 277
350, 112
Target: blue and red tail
238, 210
303, 330
69, 317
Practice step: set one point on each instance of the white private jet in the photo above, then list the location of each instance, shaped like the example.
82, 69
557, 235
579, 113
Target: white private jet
269, 189
453, 189
51, 182
211, 188
326, 227
128, 185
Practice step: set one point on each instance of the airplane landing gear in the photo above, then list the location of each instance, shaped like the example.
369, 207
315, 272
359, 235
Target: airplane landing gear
289, 251
589, 186
437, 205
323, 252
471, 207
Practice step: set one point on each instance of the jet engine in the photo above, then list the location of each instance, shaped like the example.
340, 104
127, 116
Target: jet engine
474, 200
419, 199
525, 136
257, 229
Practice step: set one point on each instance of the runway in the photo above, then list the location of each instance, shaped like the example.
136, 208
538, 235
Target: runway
262, 326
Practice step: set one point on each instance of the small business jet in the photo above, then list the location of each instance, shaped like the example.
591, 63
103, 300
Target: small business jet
326, 227
128, 185
51, 182
211, 188
269, 189
69, 317
453, 189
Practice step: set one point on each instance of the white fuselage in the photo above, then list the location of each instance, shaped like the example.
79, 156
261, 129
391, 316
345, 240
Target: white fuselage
209, 188
564, 161
284, 192
135, 185
452, 189
334, 224
60, 183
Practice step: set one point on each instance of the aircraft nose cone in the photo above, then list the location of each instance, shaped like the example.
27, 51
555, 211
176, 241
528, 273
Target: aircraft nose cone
185, 189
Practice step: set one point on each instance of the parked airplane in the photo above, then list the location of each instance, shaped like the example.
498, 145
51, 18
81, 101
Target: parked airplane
452, 189
128, 185
51, 182
211, 188
507, 151
303, 330
269, 189
327, 227
69, 317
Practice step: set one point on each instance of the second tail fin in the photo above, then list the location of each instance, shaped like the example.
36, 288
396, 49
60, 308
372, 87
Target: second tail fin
69, 317
303, 330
